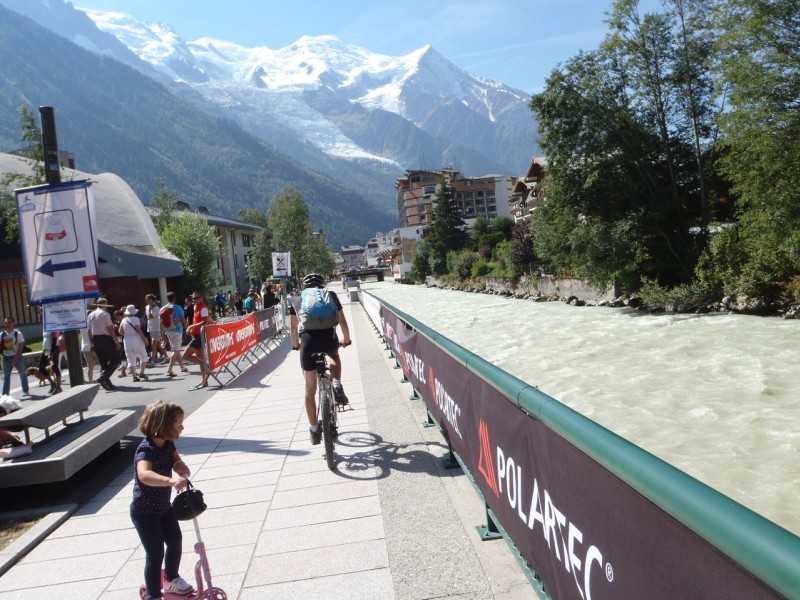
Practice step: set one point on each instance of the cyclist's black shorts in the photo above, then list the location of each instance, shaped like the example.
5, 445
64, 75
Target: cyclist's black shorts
319, 340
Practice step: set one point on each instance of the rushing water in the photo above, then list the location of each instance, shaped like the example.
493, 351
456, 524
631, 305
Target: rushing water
714, 395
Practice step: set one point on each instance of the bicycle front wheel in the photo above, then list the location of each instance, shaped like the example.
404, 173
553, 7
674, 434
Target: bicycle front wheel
328, 428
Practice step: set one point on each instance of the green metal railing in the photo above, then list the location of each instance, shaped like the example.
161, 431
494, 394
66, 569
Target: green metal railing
763, 548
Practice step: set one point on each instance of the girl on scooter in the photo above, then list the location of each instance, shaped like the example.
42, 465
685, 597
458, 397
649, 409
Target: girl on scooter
151, 512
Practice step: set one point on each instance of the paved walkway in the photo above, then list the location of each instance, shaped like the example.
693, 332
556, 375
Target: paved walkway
389, 523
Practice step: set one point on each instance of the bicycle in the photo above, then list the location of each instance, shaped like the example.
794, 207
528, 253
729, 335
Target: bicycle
327, 407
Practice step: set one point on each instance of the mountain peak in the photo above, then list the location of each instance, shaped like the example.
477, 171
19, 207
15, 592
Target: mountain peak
323, 92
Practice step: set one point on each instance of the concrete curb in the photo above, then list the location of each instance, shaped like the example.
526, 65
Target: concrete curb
52, 520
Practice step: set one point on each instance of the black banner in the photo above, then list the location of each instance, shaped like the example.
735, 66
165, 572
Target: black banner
586, 533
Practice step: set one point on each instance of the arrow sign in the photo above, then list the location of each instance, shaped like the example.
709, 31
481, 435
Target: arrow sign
49, 268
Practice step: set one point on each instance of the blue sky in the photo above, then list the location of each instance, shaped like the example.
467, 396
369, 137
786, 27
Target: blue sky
517, 42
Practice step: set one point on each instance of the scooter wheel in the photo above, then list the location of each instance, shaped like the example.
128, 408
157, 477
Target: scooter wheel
214, 593
142, 592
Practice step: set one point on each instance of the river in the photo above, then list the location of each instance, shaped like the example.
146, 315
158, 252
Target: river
714, 395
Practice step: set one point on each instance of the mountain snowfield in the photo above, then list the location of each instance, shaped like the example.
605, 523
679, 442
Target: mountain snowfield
260, 87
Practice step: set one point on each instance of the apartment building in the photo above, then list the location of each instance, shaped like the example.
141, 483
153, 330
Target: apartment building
415, 194
352, 257
488, 196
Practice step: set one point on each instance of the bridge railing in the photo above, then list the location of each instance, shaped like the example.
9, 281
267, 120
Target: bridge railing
592, 515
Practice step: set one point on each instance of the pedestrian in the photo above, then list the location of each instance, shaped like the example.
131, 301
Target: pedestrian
119, 314
188, 312
88, 355
50, 358
250, 302
256, 305
194, 351
155, 462
219, 300
13, 344
102, 338
173, 322
153, 324
269, 298
135, 342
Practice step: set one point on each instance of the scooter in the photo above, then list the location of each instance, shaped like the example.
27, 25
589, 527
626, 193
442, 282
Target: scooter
205, 589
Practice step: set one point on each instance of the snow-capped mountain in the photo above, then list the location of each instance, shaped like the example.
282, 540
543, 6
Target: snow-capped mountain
318, 85
354, 115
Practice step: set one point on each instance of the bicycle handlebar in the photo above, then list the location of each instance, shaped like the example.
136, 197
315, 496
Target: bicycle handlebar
341, 345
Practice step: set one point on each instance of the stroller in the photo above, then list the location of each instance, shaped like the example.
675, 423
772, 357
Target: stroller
205, 589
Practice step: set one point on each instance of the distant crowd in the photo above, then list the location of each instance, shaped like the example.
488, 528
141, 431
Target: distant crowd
126, 341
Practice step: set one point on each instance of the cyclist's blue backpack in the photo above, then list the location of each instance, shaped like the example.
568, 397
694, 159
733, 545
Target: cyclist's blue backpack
317, 309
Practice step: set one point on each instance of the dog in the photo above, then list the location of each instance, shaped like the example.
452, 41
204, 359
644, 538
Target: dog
42, 377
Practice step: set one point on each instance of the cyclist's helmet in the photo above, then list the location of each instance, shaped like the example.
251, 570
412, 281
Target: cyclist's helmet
313, 280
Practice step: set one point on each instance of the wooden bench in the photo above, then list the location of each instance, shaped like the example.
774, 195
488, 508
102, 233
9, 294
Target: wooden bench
43, 414
71, 436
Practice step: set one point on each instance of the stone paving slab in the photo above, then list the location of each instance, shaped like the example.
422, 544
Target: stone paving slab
390, 523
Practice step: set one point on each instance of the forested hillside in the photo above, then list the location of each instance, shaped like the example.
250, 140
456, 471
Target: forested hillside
115, 120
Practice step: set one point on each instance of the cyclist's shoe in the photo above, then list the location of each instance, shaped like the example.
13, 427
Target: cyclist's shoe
338, 393
316, 436
178, 586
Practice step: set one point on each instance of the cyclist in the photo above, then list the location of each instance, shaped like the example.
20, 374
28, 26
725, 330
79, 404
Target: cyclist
318, 340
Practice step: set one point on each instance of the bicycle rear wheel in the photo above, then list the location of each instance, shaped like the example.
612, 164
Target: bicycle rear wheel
328, 427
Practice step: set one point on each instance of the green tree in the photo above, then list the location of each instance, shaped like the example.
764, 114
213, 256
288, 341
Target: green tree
195, 243
420, 261
320, 257
668, 58
253, 216
164, 206
503, 225
522, 247
292, 230
625, 129
447, 231
480, 227
760, 66
459, 262
259, 264
32, 134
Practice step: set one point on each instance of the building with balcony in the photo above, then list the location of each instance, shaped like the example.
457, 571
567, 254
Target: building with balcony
486, 196
528, 192
415, 194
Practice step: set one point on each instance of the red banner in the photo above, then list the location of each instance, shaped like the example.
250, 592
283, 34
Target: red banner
227, 341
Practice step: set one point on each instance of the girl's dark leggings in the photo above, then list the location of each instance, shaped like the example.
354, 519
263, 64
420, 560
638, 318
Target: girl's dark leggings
155, 531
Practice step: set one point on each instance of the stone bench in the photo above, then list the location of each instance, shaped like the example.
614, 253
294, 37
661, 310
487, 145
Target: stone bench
70, 436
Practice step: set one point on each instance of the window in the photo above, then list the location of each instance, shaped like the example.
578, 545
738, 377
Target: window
246, 240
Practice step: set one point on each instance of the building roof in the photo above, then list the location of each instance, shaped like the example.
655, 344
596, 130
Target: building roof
128, 243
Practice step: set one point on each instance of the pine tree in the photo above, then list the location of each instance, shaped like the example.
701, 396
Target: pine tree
447, 231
